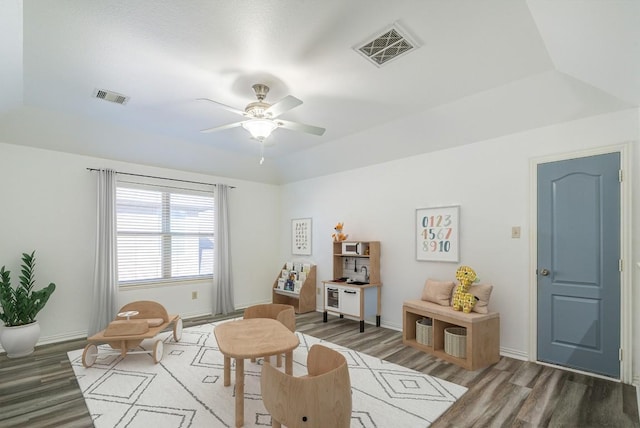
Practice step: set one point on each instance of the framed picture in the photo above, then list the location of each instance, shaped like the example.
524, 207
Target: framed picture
437, 234
301, 236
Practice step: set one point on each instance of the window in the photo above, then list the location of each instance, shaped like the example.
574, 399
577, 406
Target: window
163, 234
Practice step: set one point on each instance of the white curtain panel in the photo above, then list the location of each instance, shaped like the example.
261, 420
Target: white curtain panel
105, 284
223, 300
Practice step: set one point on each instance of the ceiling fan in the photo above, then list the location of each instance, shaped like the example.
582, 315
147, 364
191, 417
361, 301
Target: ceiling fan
262, 118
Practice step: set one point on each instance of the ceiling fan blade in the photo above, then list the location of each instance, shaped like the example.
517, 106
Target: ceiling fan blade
295, 126
285, 104
221, 127
224, 106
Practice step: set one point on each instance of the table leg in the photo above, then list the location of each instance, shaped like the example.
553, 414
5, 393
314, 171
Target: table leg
274, 423
288, 363
239, 392
227, 371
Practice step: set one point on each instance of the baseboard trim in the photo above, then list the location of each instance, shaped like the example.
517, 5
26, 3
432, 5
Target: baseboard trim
57, 338
515, 354
82, 334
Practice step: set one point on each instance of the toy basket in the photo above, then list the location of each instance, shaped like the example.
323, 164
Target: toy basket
424, 331
455, 341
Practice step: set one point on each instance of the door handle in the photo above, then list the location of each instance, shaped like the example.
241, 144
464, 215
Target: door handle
544, 272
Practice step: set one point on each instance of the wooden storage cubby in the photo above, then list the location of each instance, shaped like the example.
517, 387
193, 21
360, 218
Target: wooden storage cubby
483, 333
302, 302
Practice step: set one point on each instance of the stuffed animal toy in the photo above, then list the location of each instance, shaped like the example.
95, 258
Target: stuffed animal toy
339, 236
462, 299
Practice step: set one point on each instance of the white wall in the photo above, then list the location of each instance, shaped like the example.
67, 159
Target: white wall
48, 205
490, 180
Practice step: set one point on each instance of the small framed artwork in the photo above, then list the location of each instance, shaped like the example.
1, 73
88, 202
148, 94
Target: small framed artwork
438, 233
301, 236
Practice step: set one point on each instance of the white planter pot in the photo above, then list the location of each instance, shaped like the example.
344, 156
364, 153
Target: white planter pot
20, 341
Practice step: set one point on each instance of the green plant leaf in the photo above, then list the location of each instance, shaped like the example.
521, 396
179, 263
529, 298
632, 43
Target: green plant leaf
20, 306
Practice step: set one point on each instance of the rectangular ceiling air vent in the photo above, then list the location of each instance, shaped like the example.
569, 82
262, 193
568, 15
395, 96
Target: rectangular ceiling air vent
390, 44
114, 97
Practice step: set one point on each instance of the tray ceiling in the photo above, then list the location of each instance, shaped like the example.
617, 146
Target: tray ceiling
480, 70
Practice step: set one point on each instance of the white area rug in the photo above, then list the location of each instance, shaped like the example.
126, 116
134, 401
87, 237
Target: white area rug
186, 388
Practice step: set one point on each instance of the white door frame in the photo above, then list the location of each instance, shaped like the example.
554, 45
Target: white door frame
626, 304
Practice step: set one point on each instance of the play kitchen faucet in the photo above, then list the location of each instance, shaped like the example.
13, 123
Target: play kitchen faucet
366, 272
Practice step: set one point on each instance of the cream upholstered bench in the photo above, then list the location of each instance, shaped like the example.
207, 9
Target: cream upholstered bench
483, 332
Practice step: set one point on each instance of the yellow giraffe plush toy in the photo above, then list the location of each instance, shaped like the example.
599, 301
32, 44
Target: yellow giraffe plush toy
462, 299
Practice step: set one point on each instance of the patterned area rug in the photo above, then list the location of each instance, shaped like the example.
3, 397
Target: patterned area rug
185, 389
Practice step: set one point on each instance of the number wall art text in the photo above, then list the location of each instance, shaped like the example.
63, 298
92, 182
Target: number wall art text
437, 233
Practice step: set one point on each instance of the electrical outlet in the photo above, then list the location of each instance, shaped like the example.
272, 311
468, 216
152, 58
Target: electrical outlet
194, 295
515, 232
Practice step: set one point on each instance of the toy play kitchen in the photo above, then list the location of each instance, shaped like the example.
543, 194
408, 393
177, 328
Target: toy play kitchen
354, 290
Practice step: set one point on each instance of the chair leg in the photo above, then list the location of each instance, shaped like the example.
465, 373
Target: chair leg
253, 360
279, 360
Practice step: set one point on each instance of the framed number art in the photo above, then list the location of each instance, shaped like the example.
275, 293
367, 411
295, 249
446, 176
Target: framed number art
437, 234
301, 236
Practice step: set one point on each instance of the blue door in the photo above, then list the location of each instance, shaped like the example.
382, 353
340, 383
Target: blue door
578, 263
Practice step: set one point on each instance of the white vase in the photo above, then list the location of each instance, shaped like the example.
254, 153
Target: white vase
21, 340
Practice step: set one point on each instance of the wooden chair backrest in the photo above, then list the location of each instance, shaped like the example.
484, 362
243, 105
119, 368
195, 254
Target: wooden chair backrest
314, 401
146, 310
322, 360
284, 313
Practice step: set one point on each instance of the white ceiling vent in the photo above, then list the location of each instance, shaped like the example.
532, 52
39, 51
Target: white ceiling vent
114, 97
390, 44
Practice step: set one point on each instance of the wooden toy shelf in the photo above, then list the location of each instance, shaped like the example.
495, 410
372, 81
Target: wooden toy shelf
302, 302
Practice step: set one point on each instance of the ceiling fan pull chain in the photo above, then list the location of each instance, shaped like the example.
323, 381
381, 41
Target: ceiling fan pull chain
261, 152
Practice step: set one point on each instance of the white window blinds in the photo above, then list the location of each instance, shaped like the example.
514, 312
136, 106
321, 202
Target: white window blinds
164, 234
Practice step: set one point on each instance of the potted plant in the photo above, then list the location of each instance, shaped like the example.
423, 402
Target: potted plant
19, 307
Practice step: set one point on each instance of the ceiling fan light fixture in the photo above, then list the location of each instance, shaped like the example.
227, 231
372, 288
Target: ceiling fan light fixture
260, 129
261, 118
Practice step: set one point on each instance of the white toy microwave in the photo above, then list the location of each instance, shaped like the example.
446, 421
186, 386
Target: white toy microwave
354, 248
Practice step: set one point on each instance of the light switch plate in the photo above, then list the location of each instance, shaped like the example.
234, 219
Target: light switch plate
515, 232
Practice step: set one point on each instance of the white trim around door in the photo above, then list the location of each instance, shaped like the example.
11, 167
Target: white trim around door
626, 303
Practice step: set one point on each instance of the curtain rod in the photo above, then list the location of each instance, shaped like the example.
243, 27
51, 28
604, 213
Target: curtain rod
161, 178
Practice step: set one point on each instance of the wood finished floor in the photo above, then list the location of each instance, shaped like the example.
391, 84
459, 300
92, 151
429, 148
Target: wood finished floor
41, 390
